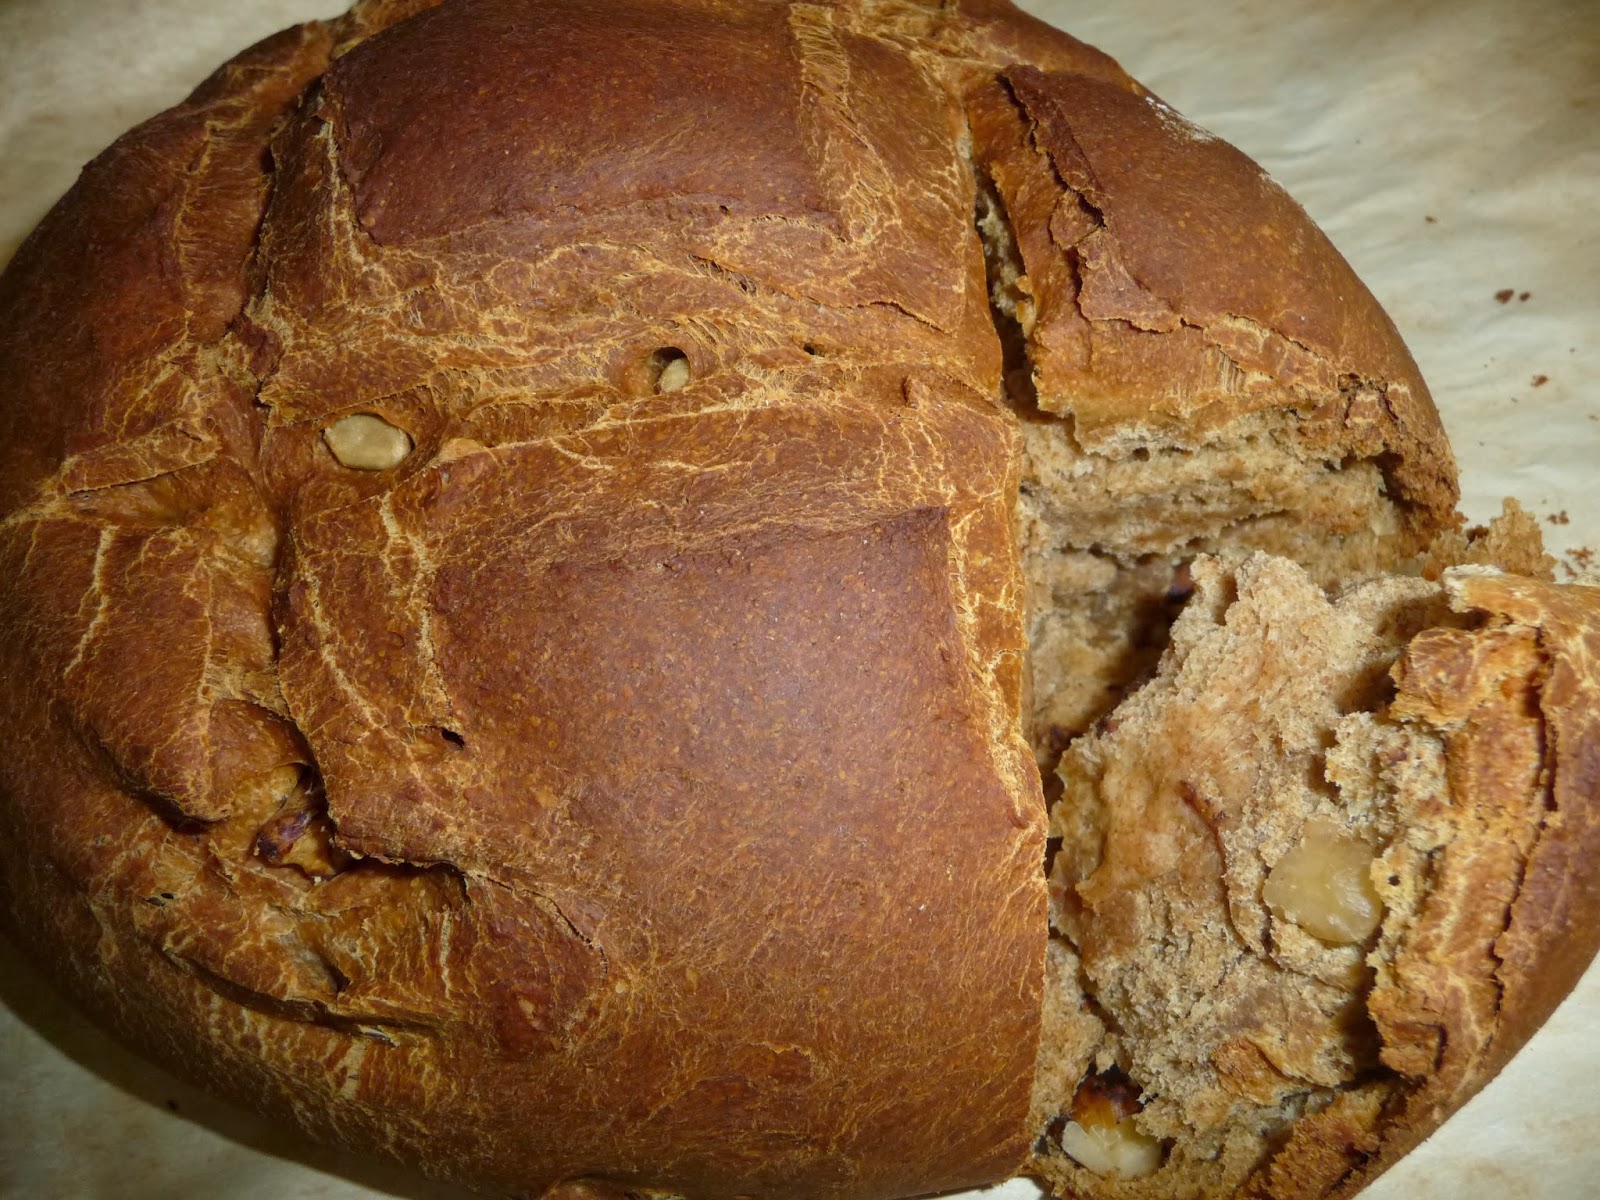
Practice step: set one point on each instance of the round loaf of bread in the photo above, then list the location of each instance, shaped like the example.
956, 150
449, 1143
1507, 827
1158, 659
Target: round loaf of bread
544, 547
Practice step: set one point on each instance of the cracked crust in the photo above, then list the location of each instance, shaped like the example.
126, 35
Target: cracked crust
1115, 198
630, 790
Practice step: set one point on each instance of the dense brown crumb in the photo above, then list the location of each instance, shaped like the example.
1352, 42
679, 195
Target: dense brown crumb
1511, 542
1504, 295
1559, 518
1232, 1020
1540, 380
1267, 1059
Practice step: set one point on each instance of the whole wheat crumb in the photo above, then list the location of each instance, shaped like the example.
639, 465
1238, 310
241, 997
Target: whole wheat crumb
1510, 542
1559, 518
1540, 380
1504, 295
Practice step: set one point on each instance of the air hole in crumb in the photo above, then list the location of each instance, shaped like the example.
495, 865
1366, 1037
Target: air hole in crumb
1181, 587
809, 348
1051, 1135
1141, 454
454, 738
669, 369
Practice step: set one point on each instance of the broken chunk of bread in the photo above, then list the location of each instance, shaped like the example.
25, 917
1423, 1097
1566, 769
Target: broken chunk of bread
1315, 880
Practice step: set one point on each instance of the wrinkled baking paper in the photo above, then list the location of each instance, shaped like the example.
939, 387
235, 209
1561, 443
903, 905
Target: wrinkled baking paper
1451, 150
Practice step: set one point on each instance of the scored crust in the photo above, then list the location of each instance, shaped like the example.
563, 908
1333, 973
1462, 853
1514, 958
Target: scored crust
632, 784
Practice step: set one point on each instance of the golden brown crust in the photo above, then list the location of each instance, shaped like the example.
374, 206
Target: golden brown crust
639, 810
106, 304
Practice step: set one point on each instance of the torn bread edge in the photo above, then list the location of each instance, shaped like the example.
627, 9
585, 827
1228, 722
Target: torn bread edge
1454, 738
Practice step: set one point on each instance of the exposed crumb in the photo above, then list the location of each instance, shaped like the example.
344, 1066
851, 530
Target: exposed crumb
1559, 518
1540, 380
1504, 295
1510, 542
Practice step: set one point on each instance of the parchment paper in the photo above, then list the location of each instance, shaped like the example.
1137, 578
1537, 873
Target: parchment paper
1451, 150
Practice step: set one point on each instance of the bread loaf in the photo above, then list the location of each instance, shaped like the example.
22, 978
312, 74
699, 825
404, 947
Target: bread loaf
532, 607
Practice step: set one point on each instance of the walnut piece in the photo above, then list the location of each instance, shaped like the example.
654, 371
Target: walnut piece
1324, 885
674, 375
366, 442
1116, 1151
1101, 1136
